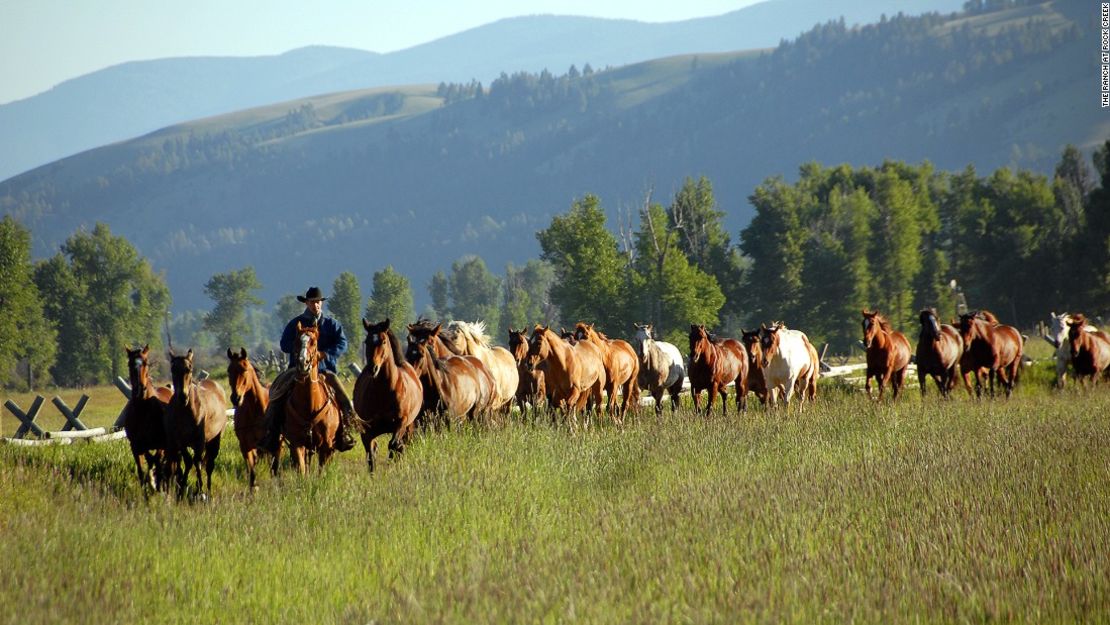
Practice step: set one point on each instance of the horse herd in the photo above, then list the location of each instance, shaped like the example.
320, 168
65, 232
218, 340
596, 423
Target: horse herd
450, 372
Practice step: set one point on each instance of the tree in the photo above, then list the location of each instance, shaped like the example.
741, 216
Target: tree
346, 307
233, 293
111, 296
527, 296
438, 290
391, 298
25, 334
773, 241
474, 291
588, 266
286, 308
668, 290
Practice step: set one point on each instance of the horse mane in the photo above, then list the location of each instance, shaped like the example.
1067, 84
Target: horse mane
471, 331
985, 315
395, 345
878, 318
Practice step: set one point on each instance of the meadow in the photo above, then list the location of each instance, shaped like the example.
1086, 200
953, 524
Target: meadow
920, 511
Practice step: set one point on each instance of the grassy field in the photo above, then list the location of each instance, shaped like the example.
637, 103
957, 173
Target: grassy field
852, 511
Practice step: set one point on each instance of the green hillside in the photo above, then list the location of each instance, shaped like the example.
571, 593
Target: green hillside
418, 176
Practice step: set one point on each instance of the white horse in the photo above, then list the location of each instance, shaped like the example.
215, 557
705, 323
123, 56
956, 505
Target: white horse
661, 366
1058, 338
788, 362
470, 339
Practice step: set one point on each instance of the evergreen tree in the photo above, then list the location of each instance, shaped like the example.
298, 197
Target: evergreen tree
438, 290
233, 293
702, 235
285, 309
896, 227
527, 297
345, 305
390, 297
25, 334
588, 266
774, 242
63, 304
474, 292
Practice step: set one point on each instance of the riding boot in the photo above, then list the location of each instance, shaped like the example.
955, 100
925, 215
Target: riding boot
344, 436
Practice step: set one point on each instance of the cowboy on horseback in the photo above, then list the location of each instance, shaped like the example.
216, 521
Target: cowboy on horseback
332, 343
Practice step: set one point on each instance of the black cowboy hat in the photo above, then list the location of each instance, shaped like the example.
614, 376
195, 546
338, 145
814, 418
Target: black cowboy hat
313, 294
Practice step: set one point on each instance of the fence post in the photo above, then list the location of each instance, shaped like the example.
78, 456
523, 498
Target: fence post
27, 419
73, 417
124, 388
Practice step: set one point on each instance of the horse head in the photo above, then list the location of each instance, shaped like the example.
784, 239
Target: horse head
871, 326
238, 378
138, 367
1076, 335
699, 342
381, 345
308, 357
751, 341
582, 330
181, 370
930, 325
538, 347
518, 345
569, 336
769, 343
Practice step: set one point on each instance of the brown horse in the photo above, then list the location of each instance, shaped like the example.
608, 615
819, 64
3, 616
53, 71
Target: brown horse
249, 398
888, 353
713, 366
753, 347
388, 393
196, 416
531, 390
460, 385
145, 420
311, 412
574, 374
939, 348
622, 368
1090, 351
471, 339
444, 344
968, 366
991, 346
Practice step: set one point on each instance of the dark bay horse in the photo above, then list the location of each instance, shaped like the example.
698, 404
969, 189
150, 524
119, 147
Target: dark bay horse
968, 361
531, 390
888, 353
145, 420
311, 412
753, 346
459, 385
622, 368
250, 399
388, 393
1090, 351
196, 417
939, 347
991, 346
713, 366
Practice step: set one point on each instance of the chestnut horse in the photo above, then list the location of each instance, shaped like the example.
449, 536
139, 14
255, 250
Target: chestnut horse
460, 385
249, 398
531, 389
311, 412
443, 346
939, 348
145, 420
713, 366
661, 366
991, 346
1090, 351
888, 353
789, 364
574, 374
388, 393
1058, 338
622, 368
471, 339
196, 416
968, 365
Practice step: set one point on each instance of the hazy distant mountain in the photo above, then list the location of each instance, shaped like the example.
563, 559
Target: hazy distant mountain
418, 176
128, 100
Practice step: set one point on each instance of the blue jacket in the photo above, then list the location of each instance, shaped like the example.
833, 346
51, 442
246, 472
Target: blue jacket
333, 342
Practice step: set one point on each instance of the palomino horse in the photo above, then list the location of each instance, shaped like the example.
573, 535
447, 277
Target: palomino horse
754, 348
249, 398
888, 353
196, 417
713, 366
311, 411
388, 394
661, 366
991, 346
460, 385
145, 420
622, 368
1090, 351
471, 339
788, 362
531, 390
1058, 337
574, 374
939, 348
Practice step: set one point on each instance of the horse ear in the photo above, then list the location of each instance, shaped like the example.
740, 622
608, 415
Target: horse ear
435, 332
763, 326
230, 356
243, 352
189, 354
385, 324
146, 349
365, 324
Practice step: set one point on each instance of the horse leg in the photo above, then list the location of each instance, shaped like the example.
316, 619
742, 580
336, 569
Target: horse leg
211, 451
657, 395
741, 395
371, 446
867, 385
921, 376
396, 445
250, 457
896, 382
724, 400
695, 394
712, 395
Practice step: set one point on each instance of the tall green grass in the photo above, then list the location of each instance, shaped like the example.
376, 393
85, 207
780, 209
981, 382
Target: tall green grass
850, 511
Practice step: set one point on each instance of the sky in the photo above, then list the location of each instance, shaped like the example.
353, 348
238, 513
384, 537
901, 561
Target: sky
45, 42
